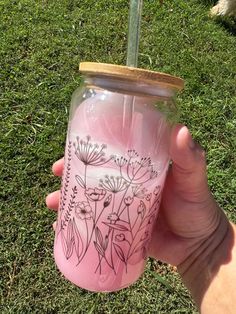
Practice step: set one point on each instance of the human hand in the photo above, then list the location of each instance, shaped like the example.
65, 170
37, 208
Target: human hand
191, 231
52, 199
188, 213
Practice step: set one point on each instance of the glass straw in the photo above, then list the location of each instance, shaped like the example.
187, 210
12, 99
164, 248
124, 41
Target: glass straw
135, 13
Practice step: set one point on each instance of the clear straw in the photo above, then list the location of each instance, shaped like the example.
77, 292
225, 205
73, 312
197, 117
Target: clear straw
135, 13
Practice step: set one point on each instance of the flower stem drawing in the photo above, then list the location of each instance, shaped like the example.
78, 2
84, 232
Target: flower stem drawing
115, 215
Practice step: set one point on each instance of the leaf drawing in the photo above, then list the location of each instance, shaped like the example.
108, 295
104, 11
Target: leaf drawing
78, 240
147, 221
99, 238
124, 238
70, 241
106, 242
67, 246
70, 249
116, 226
80, 181
70, 233
99, 249
138, 248
63, 242
119, 252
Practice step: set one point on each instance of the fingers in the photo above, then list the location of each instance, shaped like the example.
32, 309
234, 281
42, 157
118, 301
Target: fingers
189, 165
52, 200
57, 167
185, 152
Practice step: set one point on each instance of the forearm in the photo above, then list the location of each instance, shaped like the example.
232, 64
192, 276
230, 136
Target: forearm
210, 272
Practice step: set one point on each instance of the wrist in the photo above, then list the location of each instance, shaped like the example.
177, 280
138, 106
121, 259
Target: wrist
200, 269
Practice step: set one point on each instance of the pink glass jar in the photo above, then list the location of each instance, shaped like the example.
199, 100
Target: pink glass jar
116, 160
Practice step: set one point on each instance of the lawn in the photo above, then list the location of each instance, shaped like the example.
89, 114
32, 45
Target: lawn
42, 44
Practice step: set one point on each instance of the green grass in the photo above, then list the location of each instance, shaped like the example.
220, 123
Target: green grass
42, 43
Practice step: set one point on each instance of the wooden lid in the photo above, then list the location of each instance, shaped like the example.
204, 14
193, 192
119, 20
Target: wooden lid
131, 74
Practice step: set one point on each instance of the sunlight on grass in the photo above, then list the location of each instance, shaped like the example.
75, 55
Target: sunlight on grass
42, 44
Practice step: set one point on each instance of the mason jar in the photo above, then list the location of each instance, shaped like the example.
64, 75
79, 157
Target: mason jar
116, 160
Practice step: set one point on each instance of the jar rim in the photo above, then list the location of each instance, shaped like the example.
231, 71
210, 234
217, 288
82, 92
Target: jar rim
131, 74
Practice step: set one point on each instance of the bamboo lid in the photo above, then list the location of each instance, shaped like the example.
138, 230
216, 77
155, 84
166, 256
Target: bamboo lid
131, 74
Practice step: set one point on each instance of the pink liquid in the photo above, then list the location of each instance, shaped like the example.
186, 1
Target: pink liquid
110, 195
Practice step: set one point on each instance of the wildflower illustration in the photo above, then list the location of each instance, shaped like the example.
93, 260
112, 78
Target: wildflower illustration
113, 184
95, 194
83, 210
88, 153
115, 215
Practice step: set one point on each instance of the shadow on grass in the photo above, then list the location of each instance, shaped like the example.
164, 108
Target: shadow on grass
229, 24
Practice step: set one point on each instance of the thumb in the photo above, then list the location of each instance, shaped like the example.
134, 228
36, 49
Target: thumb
188, 164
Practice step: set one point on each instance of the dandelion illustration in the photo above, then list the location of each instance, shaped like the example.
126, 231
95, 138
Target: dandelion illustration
113, 184
145, 161
134, 165
132, 153
88, 153
140, 170
139, 191
95, 194
83, 210
120, 161
153, 174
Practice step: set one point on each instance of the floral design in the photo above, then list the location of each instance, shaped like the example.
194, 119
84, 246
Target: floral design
114, 217
128, 200
145, 162
144, 236
88, 153
113, 184
132, 153
120, 161
120, 237
95, 194
107, 201
83, 210
67, 214
157, 190
139, 191
141, 209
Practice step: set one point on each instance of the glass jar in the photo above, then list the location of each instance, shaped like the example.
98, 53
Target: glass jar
116, 160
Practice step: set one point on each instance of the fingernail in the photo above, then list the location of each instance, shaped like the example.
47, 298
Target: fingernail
191, 143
